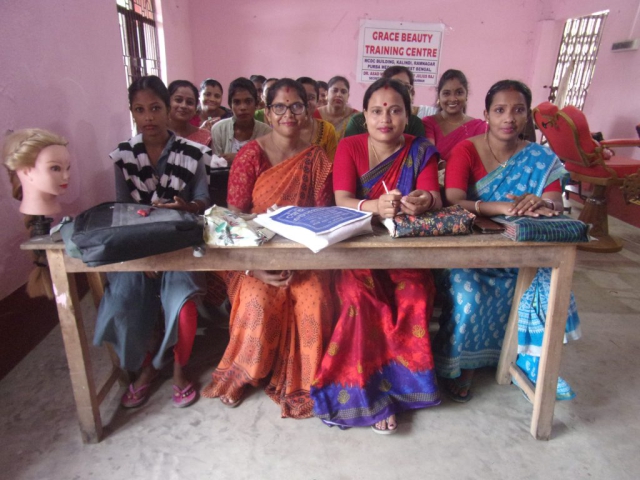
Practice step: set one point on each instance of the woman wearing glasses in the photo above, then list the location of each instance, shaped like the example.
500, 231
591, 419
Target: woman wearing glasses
379, 360
337, 111
357, 124
278, 318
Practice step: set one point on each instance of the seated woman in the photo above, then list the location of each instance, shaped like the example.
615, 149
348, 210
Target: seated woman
324, 92
211, 110
498, 174
258, 82
414, 127
337, 111
279, 319
316, 131
451, 124
146, 168
379, 360
260, 114
183, 102
230, 135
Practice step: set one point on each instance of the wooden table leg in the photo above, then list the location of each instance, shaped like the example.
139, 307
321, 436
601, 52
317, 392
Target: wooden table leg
510, 343
76, 348
549, 367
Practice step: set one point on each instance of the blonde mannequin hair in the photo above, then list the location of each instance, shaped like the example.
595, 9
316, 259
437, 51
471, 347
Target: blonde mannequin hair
20, 150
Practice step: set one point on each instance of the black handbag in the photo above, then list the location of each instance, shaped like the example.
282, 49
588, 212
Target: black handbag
116, 232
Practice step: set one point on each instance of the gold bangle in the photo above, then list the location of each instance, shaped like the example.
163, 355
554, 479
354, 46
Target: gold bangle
477, 207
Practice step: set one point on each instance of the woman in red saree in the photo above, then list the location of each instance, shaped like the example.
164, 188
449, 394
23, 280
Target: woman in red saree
278, 319
379, 360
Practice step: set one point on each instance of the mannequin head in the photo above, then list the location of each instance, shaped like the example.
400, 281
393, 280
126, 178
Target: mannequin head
38, 163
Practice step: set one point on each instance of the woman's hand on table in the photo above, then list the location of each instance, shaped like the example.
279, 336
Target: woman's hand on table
275, 278
179, 204
416, 202
529, 205
389, 203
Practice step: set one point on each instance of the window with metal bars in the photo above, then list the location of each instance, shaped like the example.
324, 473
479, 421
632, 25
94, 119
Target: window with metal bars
139, 38
577, 59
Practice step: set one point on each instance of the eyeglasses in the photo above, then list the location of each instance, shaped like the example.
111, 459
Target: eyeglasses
296, 108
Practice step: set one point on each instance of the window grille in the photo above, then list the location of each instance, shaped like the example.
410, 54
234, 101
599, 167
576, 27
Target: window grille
139, 38
577, 59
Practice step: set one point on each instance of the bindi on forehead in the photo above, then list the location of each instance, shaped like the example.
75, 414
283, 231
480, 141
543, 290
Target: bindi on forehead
386, 87
384, 104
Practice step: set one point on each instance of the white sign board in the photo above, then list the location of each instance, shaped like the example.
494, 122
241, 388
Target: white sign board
416, 46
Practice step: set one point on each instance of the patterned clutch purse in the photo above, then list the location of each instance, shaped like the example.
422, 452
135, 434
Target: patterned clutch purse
453, 220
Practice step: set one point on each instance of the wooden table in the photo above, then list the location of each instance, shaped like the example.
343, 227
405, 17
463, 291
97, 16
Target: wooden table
377, 251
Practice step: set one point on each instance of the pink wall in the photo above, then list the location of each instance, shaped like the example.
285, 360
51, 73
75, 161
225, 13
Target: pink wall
488, 40
172, 18
61, 70
613, 102
319, 39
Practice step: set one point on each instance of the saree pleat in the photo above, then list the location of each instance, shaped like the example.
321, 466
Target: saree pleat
277, 333
379, 359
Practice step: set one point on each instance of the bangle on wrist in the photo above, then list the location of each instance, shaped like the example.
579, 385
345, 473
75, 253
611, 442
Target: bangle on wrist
477, 207
431, 202
196, 205
248, 273
360, 205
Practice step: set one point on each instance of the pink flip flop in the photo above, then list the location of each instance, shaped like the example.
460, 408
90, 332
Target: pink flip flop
184, 397
133, 398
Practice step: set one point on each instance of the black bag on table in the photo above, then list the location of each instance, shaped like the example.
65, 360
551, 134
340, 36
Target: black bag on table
116, 232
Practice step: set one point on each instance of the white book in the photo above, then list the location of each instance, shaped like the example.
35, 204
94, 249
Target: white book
317, 227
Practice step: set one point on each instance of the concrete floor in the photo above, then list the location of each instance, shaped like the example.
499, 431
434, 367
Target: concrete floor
595, 436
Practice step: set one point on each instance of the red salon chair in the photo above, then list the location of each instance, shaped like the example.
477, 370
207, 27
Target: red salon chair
588, 161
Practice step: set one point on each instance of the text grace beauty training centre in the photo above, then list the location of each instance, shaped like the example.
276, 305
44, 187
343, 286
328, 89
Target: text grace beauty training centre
416, 46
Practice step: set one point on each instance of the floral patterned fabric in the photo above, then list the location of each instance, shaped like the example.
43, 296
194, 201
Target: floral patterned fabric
276, 333
453, 220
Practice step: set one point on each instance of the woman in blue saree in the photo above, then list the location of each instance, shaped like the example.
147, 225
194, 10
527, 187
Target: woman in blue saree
498, 174
379, 361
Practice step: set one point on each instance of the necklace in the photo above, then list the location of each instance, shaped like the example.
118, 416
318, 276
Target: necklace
395, 149
292, 151
502, 164
450, 122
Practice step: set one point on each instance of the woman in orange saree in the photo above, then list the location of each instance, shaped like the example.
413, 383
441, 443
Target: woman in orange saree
279, 320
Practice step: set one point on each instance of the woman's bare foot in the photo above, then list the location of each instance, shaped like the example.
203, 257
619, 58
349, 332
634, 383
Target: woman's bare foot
386, 426
179, 380
147, 375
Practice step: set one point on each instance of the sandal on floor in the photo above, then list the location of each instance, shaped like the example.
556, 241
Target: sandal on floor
386, 431
453, 386
184, 397
134, 397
